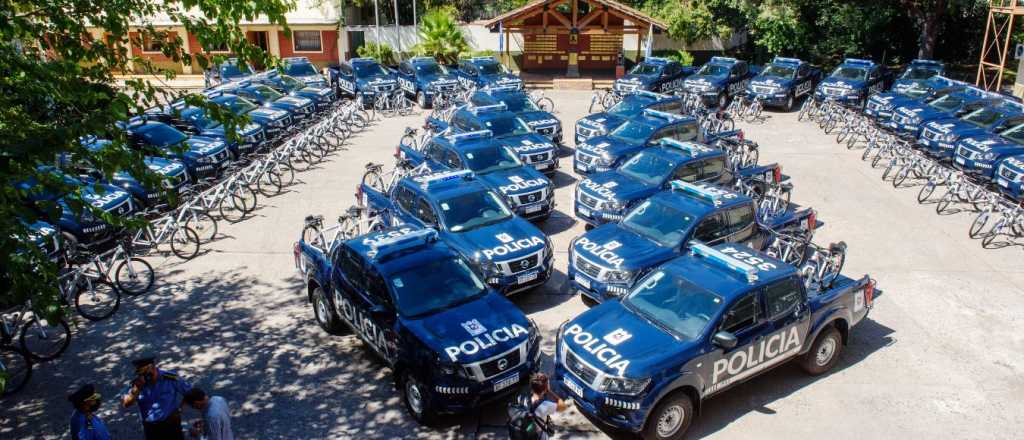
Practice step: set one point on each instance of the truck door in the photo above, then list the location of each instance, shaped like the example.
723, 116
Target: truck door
785, 305
712, 229
723, 367
378, 317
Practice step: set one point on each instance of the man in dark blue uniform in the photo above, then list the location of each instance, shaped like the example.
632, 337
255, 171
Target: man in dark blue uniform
85, 424
159, 395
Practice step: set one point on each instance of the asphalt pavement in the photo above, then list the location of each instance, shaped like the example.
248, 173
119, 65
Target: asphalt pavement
938, 357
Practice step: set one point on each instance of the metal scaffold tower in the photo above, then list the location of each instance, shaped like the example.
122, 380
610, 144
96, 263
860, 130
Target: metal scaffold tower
996, 47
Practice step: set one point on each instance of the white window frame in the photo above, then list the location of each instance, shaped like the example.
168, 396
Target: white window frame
142, 44
295, 41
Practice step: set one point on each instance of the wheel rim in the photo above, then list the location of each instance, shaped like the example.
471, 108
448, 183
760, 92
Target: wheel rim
670, 421
413, 396
824, 354
321, 309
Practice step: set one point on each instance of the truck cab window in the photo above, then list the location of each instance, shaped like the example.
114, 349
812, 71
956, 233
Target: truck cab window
743, 314
780, 298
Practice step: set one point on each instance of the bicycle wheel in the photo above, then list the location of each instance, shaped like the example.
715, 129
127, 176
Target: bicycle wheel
978, 225
944, 202
203, 223
866, 153
374, 180
990, 237
97, 299
134, 276
270, 184
15, 369
843, 134
546, 104
311, 235
926, 191
44, 341
248, 198
408, 140
232, 208
834, 266
185, 243
727, 124
900, 176
803, 110
285, 171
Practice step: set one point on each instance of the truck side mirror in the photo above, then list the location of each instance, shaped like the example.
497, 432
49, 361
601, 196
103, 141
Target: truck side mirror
377, 310
724, 339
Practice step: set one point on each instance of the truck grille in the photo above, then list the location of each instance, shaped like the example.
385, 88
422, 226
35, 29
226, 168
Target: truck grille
122, 209
509, 360
874, 106
585, 132
832, 91
529, 198
589, 201
579, 369
588, 268
1008, 174
625, 87
901, 119
384, 88
584, 158
763, 90
547, 131
523, 264
540, 157
930, 135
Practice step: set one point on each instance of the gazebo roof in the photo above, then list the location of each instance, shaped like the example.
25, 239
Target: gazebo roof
533, 7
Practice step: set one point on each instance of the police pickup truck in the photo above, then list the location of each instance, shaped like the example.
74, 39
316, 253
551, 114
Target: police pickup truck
939, 137
695, 327
302, 69
653, 75
979, 155
605, 261
603, 153
518, 102
784, 81
880, 105
45, 237
275, 122
508, 129
908, 119
511, 253
484, 72
852, 82
631, 106
451, 342
1009, 176
527, 191
605, 197
720, 79
171, 173
203, 156
363, 79
323, 97
231, 70
916, 73
77, 228
423, 78
195, 122
301, 109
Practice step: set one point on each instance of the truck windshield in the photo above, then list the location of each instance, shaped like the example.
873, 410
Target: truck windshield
290, 83
947, 103
918, 73
472, 210
430, 69
507, 126
234, 70
241, 106
414, 297
647, 167
301, 69
633, 131
199, 119
850, 73
264, 93
519, 103
1015, 134
984, 117
915, 91
163, 135
662, 223
364, 70
490, 159
646, 69
491, 69
631, 106
674, 304
779, 71
713, 70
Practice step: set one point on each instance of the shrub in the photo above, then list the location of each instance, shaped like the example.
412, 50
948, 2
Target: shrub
381, 52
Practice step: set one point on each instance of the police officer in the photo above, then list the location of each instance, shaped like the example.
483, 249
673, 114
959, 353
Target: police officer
85, 424
159, 395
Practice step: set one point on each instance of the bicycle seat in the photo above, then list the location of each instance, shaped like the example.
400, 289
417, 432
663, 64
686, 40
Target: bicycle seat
314, 218
374, 166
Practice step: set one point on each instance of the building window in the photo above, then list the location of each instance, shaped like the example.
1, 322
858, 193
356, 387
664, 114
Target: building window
151, 45
307, 41
221, 47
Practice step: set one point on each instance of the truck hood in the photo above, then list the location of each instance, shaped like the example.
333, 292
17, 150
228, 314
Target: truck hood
312, 93
473, 331
376, 80
164, 167
219, 133
106, 197
267, 114
291, 102
538, 119
438, 80
706, 80
771, 81
529, 143
608, 144
902, 85
611, 245
516, 181
314, 80
508, 240
989, 143
954, 125
200, 146
603, 120
613, 185
638, 79
925, 112
843, 83
502, 79
620, 343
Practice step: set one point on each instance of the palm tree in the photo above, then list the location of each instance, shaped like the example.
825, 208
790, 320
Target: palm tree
440, 36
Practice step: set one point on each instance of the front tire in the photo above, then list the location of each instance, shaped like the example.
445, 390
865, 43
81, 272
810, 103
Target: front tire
790, 102
417, 399
670, 419
824, 354
324, 313
421, 99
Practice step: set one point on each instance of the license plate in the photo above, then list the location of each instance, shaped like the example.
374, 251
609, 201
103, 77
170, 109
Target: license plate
573, 386
584, 212
506, 382
1003, 182
960, 161
582, 281
542, 166
533, 209
526, 278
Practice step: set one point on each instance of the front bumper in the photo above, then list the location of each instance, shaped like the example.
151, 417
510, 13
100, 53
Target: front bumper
595, 217
618, 412
534, 211
974, 167
848, 100
591, 288
1014, 189
937, 148
772, 99
521, 281
457, 394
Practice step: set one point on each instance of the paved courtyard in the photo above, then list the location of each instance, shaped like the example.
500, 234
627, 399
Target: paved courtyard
938, 357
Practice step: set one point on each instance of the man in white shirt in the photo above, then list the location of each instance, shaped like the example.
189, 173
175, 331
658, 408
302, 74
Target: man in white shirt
544, 401
216, 424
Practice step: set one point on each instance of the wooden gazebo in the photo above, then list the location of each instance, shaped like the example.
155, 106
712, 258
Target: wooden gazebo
570, 35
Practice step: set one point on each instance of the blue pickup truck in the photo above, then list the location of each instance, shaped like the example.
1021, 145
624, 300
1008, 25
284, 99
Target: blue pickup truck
979, 155
323, 97
907, 120
605, 261
195, 122
881, 105
518, 102
852, 82
230, 70
653, 75
916, 74
603, 153
78, 229
696, 326
203, 156
784, 81
172, 174
484, 72
939, 136
605, 197
303, 70
720, 79
527, 191
46, 237
363, 78
451, 342
512, 253
507, 128
631, 106
301, 109
423, 78
275, 122
1009, 176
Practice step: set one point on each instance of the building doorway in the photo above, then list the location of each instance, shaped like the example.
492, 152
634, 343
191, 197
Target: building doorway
356, 39
259, 39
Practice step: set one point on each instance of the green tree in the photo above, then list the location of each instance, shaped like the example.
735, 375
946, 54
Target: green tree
58, 84
440, 36
381, 52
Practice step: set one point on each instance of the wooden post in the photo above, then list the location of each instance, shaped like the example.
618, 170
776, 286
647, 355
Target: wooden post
508, 52
639, 38
1006, 48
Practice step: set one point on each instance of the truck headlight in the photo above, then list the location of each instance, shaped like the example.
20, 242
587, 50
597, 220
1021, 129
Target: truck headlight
624, 385
605, 159
951, 137
452, 369
989, 156
547, 248
614, 205
207, 159
487, 266
619, 276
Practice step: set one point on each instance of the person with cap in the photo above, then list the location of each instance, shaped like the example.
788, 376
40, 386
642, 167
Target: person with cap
85, 424
216, 423
159, 395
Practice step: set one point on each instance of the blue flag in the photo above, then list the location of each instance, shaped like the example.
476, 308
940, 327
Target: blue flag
650, 41
501, 37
